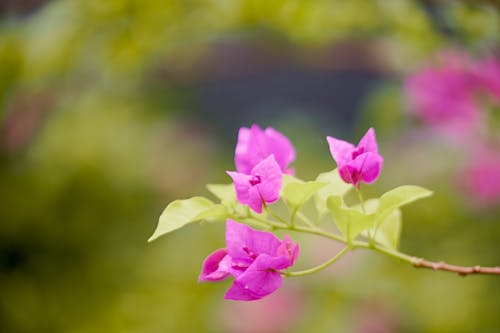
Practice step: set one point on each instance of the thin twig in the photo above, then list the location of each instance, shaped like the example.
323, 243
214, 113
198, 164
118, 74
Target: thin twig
460, 270
415, 261
437, 266
319, 267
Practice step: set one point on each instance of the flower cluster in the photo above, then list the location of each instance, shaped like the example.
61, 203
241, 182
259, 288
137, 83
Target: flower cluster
257, 260
254, 258
450, 98
255, 145
481, 176
262, 185
261, 157
447, 93
360, 163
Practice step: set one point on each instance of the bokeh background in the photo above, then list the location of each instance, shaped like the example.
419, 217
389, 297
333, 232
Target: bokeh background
111, 109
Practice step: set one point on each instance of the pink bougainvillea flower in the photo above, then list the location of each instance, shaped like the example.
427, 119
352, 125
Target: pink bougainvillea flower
443, 95
487, 72
254, 258
360, 163
276, 313
446, 95
255, 144
481, 177
451, 96
262, 184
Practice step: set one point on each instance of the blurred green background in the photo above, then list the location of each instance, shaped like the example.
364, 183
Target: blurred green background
111, 109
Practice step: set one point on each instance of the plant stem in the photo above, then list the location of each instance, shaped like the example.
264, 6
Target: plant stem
371, 233
319, 267
292, 217
423, 263
274, 215
260, 220
316, 231
415, 261
360, 197
306, 220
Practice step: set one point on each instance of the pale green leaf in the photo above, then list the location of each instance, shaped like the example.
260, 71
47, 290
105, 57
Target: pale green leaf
389, 230
217, 212
398, 197
256, 224
350, 221
288, 179
297, 193
227, 196
334, 186
179, 213
224, 192
370, 206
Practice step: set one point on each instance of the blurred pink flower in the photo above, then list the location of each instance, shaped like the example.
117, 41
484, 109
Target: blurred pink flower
487, 72
375, 316
443, 95
255, 144
448, 97
277, 313
262, 184
360, 163
481, 177
254, 258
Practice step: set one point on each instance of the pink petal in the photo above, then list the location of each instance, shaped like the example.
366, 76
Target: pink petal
443, 95
241, 185
481, 177
271, 179
371, 167
259, 279
245, 243
214, 267
488, 73
368, 142
281, 147
245, 192
238, 293
341, 150
289, 250
365, 167
255, 199
356, 164
243, 156
275, 262
350, 174
254, 145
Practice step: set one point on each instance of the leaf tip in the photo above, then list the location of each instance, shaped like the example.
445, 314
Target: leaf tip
152, 237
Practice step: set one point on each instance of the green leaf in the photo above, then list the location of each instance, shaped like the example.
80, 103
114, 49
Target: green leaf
388, 221
181, 212
215, 213
334, 186
296, 193
224, 192
255, 224
350, 221
388, 231
288, 179
227, 196
398, 197
370, 206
